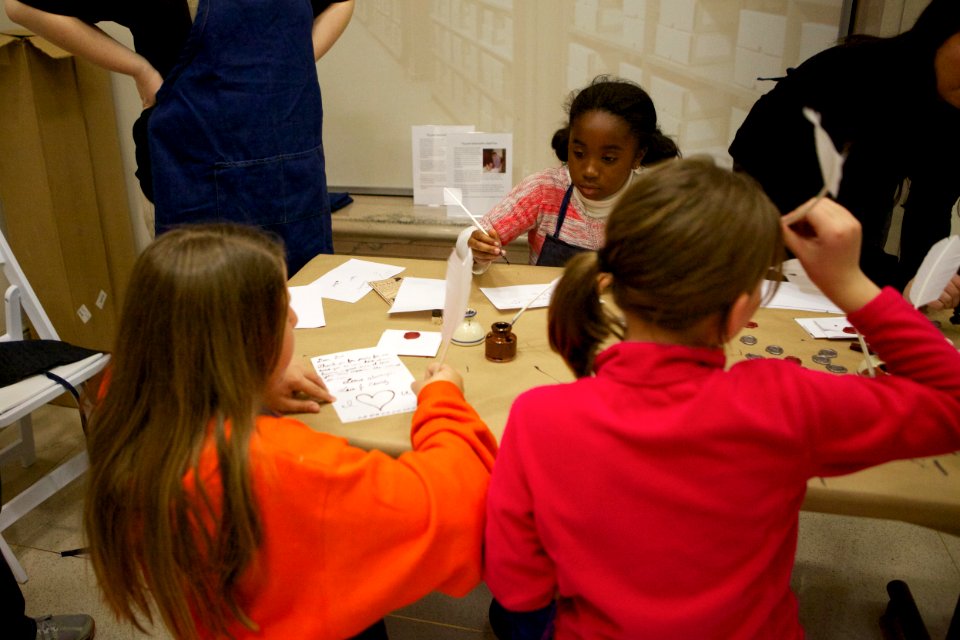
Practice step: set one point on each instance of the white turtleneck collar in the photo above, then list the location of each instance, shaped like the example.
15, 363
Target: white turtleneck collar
602, 208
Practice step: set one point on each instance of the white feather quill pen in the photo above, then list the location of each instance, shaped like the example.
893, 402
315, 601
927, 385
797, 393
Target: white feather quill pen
459, 278
450, 196
549, 287
939, 265
831, 161
831, 165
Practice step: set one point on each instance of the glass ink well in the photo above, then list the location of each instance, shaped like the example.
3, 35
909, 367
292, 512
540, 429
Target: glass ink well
501, 343
469, 333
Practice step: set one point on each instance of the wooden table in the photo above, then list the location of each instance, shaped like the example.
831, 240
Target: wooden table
922, 491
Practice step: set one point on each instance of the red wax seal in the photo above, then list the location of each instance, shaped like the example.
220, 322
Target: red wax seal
849, 330
752, 325
411, 335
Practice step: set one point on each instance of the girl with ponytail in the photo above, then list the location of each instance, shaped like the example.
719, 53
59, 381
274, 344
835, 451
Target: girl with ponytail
658, 495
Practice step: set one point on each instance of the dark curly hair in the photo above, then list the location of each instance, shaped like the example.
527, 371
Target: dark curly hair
626, 100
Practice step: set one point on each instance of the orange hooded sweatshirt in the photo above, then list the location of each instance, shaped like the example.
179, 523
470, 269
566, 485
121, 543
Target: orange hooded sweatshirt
351, 535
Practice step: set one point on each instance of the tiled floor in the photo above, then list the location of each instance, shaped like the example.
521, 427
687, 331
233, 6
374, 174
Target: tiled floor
842, 566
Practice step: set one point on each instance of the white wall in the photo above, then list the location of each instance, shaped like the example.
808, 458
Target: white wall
507, 65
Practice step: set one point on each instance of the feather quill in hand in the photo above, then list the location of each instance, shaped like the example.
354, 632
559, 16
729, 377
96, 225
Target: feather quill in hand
450, 197
831, 165
459, 278
940, 264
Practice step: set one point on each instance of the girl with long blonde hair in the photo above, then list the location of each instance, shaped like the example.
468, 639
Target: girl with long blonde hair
229, 521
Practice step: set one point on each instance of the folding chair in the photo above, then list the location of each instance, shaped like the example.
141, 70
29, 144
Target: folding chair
20, 399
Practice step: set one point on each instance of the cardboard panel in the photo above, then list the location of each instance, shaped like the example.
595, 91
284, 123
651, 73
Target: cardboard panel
65, 211
105, 160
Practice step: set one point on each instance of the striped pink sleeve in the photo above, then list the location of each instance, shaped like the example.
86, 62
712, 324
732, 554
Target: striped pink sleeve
517, 213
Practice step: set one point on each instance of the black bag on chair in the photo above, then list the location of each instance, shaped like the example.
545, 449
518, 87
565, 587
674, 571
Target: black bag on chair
22, 359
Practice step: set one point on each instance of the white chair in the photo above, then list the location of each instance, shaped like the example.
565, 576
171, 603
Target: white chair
19, 400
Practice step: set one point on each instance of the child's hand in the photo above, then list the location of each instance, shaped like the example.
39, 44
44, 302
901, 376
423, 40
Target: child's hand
297, 391
486, 248
829, 249
438, 372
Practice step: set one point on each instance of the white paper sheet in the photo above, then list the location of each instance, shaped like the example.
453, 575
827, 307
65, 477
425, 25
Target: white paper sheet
410, 343
430, 160
420, 294
790, 296
308, 304
829, 328
795, 273
367, 383
348, 282
480, 167
517, 296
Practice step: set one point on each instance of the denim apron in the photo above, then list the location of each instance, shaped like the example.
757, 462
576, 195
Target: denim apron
555, 252
236, 132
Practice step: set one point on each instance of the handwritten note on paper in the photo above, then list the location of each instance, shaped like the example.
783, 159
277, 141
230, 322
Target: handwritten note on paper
519, 296
349, 281
368, 383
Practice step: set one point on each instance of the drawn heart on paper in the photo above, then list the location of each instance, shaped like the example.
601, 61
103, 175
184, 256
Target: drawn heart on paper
378, 400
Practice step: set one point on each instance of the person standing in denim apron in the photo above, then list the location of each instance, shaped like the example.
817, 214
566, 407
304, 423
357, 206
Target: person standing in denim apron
233, 124
612, 133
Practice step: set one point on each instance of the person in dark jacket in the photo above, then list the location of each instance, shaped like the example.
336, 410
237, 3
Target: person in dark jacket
893, 106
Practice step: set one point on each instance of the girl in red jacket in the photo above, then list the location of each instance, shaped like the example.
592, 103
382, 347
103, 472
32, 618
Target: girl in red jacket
229, 521
658, 495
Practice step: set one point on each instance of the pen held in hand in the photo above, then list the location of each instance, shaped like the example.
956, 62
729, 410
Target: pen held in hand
866, 352
476, 221
797, 215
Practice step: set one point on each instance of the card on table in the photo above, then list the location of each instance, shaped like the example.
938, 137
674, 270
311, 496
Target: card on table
367, 383
410, 343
